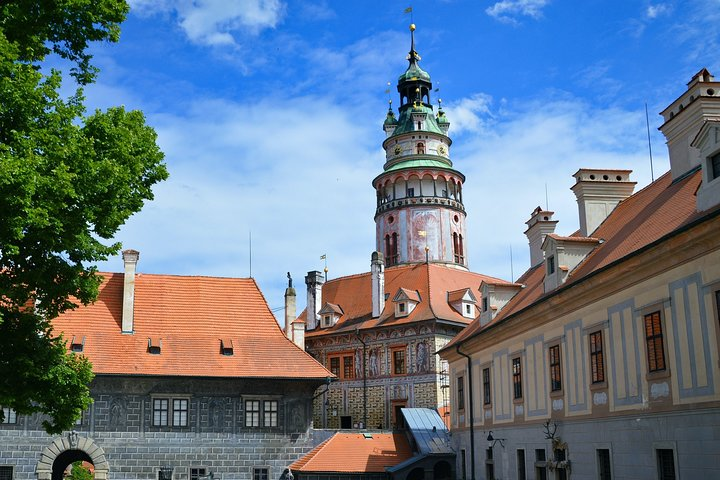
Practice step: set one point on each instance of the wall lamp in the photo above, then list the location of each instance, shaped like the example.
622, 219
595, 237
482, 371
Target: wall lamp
492, 441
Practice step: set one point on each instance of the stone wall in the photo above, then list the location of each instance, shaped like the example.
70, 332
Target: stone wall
118, 430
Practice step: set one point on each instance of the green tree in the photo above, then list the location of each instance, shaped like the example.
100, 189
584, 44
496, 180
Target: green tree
79, 472
68, 181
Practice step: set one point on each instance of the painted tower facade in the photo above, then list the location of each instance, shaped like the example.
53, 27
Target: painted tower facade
420, 214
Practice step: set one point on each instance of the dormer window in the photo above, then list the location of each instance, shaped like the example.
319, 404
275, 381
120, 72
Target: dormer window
77, 344
551, 265
485, 304
329, 315
463, 301
405, 301
226, 346
715, 166
154, 345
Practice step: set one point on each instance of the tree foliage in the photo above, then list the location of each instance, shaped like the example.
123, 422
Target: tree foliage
80, 472
68, 181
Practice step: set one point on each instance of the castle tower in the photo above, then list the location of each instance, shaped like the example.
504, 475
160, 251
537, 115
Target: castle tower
420, 214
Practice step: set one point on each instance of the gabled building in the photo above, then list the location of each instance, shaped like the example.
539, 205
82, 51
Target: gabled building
192, 373
603, 360
378, 331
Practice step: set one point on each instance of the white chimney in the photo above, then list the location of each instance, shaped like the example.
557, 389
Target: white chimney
684, 117
598, 192
298, 327
377, 276
314, 281
539, 225
130, 259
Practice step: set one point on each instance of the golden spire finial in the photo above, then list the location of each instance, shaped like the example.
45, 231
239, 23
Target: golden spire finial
412, 27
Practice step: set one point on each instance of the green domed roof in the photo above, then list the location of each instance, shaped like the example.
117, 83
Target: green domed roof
441, 118
414, 72
390, 118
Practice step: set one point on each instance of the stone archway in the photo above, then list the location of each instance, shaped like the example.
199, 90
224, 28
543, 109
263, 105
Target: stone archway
72, 441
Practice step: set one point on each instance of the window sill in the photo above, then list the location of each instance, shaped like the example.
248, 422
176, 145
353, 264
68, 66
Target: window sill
598, 386
518, 401
557, 394
658, 375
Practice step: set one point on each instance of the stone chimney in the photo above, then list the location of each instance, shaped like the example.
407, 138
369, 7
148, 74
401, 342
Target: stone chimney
290, 308
598, 192
130, 259
377, 276
314, 281
539, 225
684, 117
298, 334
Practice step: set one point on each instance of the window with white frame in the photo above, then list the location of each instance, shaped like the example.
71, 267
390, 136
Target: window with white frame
261, 413
10, 416
170, 412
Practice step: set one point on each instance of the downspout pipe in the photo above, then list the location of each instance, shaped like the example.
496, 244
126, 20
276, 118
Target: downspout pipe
472, 417
364, 367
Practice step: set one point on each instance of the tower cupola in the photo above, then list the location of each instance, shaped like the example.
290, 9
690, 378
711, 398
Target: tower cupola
420, 214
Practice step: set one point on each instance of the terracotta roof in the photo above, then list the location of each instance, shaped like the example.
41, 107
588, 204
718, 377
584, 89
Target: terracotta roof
573, 238
641, 219
190, 316
431, 281
407, 294
356, 453
457, 295
331, 308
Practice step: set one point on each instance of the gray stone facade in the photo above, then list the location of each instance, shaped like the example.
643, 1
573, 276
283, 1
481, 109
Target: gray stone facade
632, 442
118, 429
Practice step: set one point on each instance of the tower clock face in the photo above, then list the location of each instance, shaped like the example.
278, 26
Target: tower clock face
442, 150
398, 150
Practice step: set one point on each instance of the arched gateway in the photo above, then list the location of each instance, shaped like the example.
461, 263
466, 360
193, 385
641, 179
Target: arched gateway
66, 450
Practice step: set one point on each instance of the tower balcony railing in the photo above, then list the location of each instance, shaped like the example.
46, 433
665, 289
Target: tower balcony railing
419, 201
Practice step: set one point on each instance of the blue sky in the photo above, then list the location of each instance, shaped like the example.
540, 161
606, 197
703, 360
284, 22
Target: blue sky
270, 116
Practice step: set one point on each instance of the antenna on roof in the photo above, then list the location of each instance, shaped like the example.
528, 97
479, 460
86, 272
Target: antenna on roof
250, 234
647, 123
512, 274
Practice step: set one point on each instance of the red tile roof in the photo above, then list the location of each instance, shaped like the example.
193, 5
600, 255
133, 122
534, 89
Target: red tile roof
432, 282
641, 219
190, 316
355, 453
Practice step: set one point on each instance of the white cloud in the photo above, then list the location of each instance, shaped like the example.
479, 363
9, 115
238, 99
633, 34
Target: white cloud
507, 11
531, 146
654, 11
214, 22
467, 113
296, 173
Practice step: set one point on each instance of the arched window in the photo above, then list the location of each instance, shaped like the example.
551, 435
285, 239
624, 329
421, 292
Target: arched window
457, 248
421, 148
461, 252
393, 250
